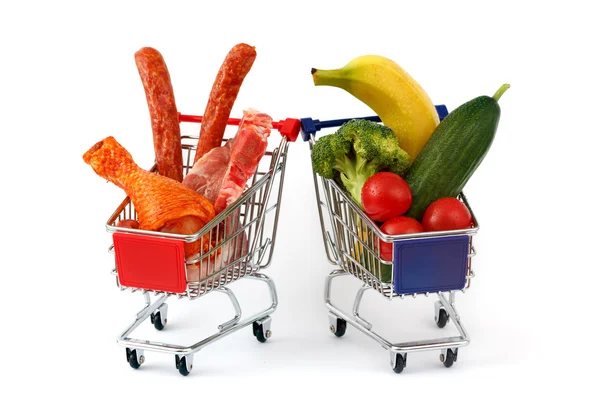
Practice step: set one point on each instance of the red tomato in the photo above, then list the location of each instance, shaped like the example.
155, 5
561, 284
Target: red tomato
447, 214
385, 195
397, 226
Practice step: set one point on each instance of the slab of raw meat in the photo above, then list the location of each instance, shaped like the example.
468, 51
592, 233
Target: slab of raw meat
206, 176
221, 174
248, 148
231, 253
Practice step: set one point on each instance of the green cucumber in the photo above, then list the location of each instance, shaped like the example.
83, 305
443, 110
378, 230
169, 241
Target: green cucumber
453, 152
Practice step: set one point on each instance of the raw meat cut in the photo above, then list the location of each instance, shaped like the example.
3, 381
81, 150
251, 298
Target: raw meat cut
230, 254
221, 174
248, 148
206, 176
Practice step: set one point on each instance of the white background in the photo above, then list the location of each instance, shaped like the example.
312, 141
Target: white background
68, 79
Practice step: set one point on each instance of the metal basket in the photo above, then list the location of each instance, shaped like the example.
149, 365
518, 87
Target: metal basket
246, 229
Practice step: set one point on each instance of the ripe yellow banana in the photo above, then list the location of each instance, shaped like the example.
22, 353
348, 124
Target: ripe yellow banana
391, 93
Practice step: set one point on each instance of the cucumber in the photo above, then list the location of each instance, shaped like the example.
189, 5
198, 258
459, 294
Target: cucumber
453, 152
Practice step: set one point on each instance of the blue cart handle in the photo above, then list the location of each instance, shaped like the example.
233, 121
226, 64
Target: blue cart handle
311, 126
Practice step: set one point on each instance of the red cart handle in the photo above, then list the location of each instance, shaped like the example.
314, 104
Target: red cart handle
290, 127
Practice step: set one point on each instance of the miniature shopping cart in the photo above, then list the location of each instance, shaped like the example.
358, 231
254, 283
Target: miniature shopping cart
426, 263
236, 244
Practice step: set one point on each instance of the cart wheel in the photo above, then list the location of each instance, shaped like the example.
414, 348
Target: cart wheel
156, 320
442, 318
181, 364
450, 357
400, 363
340, 329
258, 332
132, 358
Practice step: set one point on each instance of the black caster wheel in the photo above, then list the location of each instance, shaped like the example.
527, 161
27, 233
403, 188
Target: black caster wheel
400, 363
156, 320
340, 327
442, 319
450, 357
259, 332
181, 365
132, 358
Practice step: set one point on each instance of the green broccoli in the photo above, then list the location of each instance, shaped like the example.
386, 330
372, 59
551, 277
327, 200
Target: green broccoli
355, 152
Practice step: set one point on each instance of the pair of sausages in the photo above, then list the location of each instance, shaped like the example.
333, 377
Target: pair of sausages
163, 110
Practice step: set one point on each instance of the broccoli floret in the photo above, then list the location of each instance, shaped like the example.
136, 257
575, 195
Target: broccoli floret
358, 150
323, 156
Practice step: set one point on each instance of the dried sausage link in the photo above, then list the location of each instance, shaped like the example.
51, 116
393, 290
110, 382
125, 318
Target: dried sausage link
225, 89
163, 112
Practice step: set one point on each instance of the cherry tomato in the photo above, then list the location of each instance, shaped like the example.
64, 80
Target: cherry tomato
446, 214
397, 226
385, 195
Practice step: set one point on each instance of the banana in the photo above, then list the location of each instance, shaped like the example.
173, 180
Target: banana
391, 93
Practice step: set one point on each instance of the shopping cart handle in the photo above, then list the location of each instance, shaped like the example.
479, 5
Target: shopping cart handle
290, 127
312, 126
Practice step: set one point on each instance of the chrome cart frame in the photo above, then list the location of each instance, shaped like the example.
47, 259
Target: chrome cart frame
237, 243
351, 241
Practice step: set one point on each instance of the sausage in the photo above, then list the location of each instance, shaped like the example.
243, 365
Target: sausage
225, 89
163, 112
